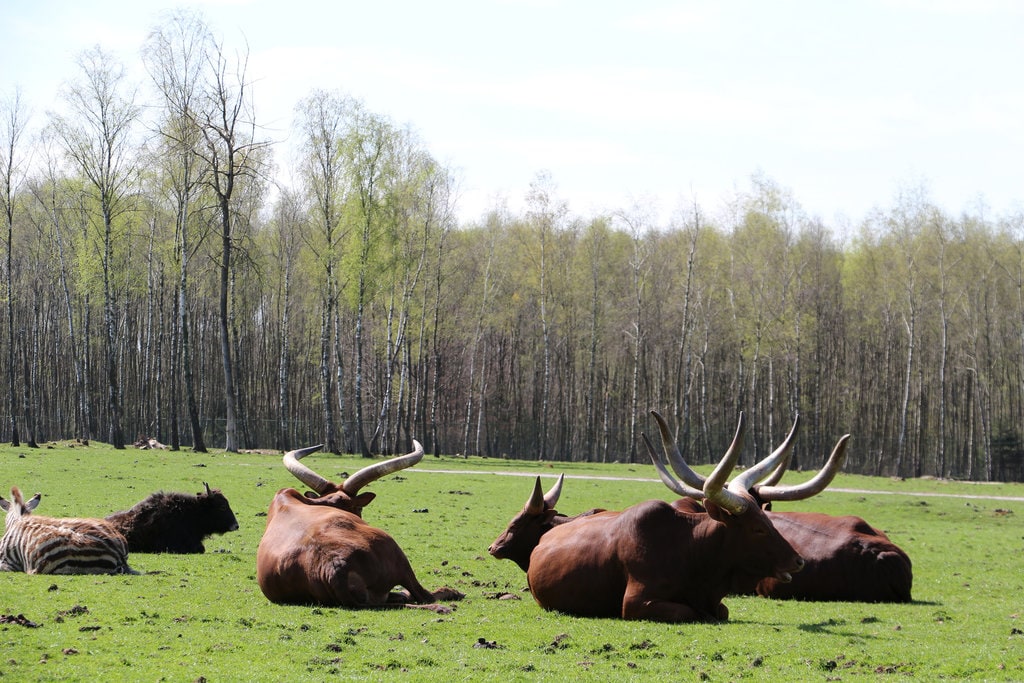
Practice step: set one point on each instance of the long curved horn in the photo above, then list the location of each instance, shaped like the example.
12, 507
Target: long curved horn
671, 482
303, 473
778, 459
780, 469
813, 486
714, 486
380, 469
675, 458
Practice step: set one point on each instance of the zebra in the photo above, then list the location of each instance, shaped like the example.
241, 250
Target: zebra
52, 545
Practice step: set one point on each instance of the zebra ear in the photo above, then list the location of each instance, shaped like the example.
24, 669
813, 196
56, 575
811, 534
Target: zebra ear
31, 504
5, 504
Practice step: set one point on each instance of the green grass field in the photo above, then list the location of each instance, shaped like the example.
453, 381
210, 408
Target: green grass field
188, 618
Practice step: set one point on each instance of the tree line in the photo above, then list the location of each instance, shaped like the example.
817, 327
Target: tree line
161, 280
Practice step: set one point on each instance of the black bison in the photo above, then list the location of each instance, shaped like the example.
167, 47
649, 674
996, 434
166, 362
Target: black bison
175, 522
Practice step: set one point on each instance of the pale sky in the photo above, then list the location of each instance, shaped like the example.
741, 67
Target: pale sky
653, 101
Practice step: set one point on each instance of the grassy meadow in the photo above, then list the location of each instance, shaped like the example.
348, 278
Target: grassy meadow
189, 618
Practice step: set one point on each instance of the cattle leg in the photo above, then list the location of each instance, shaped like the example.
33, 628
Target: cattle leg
421, 596
416, 592
639, 602
404, 599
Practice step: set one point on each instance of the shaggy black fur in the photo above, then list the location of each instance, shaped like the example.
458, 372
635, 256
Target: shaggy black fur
175, 522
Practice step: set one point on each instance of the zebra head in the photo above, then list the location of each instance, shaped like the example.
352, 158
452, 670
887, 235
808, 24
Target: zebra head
17, 507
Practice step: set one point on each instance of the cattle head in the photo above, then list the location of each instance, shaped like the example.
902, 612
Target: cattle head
537, 517
346, 496
756, 485
217, 514
753, 537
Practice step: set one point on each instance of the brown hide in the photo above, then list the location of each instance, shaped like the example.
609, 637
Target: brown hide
653, 561
315, 553
317, 549
524, 532
847, 559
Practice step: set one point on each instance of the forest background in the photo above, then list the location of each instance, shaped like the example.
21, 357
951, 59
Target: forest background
164, 276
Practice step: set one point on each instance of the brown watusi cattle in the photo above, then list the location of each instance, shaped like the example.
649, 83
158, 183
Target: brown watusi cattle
846, 558
317, 549
654, 562
171, 522
537, 518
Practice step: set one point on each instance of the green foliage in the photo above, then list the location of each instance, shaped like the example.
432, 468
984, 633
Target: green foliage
203, 616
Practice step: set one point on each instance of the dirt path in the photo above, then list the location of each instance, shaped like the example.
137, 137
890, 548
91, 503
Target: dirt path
917, 494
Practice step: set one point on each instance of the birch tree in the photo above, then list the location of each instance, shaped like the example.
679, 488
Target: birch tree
175, 56
321, 120
231, 153
422, 216
637, 224
544, 212
12, 128
97, 137
368, 149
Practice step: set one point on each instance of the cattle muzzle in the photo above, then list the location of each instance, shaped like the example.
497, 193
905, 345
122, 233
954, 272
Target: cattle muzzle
786, 576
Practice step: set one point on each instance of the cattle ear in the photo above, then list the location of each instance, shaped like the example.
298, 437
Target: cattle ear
363, 499
716, 511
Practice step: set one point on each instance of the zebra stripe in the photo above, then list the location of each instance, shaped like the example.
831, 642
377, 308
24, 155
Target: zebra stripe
41, 545
49, 545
